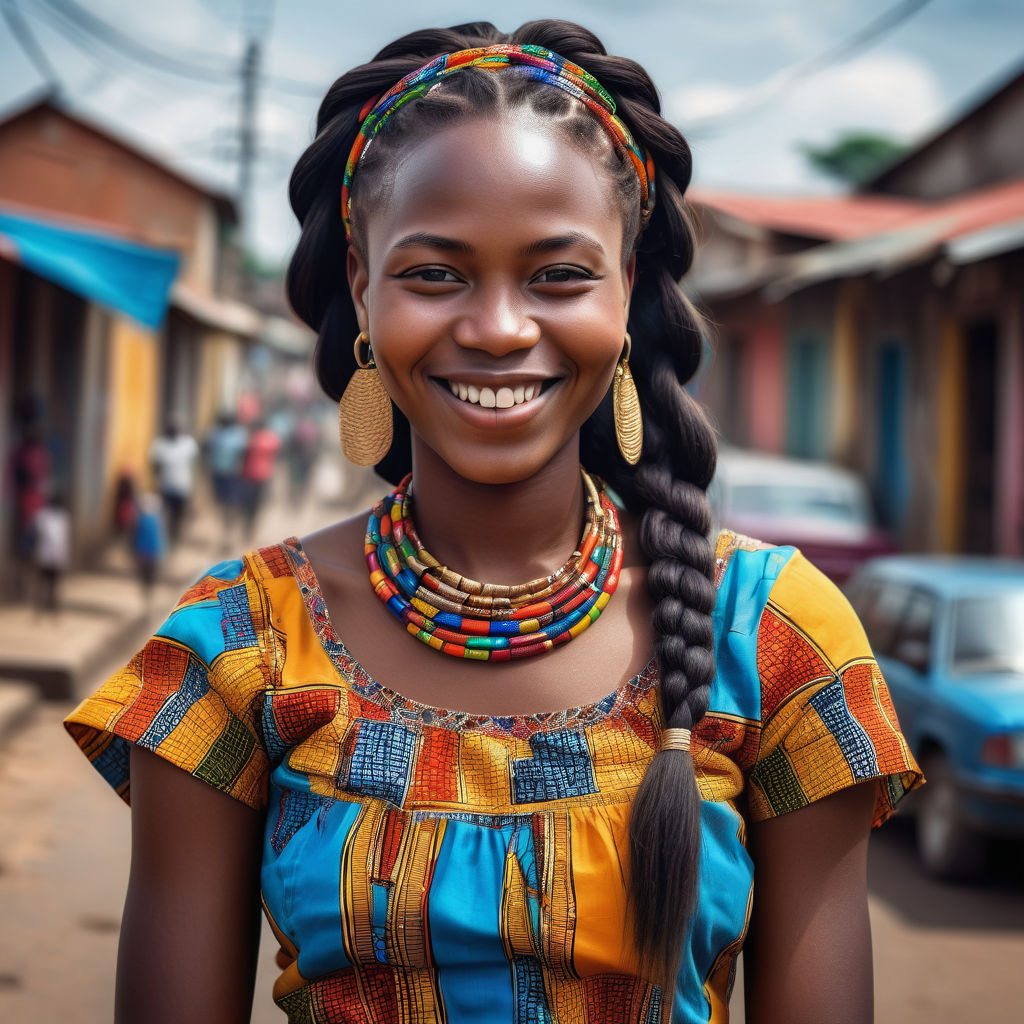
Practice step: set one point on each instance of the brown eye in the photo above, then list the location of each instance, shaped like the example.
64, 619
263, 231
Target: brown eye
563, 274
432, 275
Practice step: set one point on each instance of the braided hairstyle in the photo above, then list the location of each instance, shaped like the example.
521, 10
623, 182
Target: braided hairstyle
666, 489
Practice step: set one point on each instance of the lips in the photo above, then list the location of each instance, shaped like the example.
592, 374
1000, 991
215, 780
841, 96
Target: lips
497, 396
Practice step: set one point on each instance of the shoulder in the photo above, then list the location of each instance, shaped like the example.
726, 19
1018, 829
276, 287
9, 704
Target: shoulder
779, 621
755, 579
231, 606
197, 692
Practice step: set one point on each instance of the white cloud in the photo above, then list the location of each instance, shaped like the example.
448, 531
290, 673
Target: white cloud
891, 93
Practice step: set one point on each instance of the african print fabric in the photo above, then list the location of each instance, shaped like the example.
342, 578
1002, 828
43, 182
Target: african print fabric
424, 865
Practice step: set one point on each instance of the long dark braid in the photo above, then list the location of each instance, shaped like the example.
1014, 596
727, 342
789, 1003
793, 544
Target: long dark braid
667, 488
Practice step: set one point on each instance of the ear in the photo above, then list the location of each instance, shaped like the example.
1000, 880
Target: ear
629, 276
358, 285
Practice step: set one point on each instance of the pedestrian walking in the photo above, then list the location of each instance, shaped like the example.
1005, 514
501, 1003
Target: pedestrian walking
149, 542
224, 450
545, 796
51, 548
302, 450
172, 456
258, 465
29, 476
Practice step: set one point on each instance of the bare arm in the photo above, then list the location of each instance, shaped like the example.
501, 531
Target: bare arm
190, 931
808, 956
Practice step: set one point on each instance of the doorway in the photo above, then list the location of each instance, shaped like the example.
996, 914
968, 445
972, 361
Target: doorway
980, 398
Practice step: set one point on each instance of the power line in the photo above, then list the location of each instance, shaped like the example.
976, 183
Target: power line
118, 40
779, 83
202, 67
29, 44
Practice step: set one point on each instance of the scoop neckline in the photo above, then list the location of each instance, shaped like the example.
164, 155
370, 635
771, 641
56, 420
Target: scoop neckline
406, 708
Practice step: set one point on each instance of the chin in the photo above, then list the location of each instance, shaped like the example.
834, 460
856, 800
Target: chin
497, 467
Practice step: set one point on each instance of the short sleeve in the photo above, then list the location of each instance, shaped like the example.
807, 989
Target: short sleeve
827, 720
193, 695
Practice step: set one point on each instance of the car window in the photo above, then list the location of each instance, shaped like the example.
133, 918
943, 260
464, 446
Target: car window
786, 499
987, 634
913, 639
882, 604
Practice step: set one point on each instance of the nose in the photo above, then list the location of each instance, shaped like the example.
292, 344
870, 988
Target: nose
498, 322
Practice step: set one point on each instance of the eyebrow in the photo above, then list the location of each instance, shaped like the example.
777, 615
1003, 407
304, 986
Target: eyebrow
541, 245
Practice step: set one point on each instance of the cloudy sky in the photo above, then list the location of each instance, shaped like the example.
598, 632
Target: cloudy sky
745, 79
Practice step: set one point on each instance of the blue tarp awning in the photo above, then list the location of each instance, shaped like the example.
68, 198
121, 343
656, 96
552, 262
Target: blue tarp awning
128, 277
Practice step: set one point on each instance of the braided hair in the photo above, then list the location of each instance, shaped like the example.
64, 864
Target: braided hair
666, 489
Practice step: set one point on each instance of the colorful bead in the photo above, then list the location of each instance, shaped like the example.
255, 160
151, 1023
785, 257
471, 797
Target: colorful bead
483, 621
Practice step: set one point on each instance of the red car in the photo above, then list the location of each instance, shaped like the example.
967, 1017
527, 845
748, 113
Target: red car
822, 509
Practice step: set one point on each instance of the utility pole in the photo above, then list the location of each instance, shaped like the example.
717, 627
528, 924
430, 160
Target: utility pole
247, 147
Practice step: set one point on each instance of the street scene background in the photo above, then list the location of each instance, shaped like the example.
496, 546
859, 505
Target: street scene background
859, 199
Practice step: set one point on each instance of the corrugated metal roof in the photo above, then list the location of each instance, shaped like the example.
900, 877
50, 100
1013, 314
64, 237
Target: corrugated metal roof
826, 217
991, 216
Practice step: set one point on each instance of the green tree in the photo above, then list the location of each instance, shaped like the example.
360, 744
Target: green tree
855, 157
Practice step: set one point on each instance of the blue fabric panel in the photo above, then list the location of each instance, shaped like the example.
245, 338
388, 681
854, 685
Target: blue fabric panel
742, 596
531, 1003
725, 877
464, 915
559, 768
113, 762
294, 809
237, 621
130, 278
229, 569
382, 760
302, 884
850, 735
195, 683
197, 627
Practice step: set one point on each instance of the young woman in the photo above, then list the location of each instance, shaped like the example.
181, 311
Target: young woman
545, 797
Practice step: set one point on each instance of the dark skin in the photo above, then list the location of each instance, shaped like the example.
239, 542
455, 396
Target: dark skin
500, 269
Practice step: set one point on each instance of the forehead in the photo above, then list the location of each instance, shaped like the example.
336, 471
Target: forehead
507, 176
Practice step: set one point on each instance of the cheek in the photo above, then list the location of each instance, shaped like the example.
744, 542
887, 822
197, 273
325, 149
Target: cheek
595, 346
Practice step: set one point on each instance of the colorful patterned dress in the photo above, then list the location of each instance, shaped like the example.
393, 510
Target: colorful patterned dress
424, 865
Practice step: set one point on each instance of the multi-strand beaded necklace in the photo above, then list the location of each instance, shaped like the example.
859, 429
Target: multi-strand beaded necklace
484, 621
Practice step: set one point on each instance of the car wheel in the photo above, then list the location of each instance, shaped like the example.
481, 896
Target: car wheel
949, 849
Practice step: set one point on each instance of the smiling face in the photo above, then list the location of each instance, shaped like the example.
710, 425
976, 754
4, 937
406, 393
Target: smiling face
494, 290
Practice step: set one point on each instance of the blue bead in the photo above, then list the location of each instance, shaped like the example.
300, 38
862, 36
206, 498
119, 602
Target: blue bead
507, 627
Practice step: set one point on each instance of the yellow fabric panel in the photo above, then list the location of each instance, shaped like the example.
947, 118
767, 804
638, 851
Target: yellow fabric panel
808, 598
600, 837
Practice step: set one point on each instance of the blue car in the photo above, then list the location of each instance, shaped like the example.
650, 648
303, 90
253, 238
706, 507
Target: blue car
949, 637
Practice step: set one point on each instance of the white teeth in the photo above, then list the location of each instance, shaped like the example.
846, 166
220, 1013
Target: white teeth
489, 398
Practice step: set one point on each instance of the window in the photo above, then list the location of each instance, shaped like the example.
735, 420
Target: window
882, 606
987, 634
913, 642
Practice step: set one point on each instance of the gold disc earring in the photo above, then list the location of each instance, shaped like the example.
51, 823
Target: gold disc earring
629, 424
364, 412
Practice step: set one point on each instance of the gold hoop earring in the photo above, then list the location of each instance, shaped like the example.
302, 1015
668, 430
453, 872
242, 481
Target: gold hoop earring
364, 412
629, 424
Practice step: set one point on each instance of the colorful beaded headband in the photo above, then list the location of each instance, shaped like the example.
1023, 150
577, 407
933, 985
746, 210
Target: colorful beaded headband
530, 61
